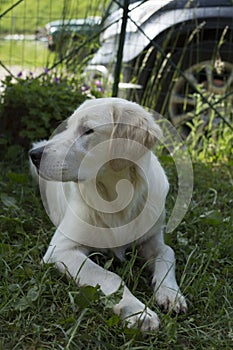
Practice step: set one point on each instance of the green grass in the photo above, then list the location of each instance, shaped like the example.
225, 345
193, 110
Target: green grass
30, 15
27, 17
30, 54
40, 309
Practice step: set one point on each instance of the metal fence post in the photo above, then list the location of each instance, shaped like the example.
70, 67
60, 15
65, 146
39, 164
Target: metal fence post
118, 65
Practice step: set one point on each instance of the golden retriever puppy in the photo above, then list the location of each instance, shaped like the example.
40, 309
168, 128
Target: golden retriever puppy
104, 189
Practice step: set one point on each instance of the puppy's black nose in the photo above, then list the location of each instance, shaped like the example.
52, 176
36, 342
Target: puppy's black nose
36, 155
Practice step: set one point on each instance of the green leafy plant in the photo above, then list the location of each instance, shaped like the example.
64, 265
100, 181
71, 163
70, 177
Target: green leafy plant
210, 138
31, 108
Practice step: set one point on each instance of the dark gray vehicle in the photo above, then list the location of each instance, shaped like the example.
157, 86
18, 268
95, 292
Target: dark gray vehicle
178, 56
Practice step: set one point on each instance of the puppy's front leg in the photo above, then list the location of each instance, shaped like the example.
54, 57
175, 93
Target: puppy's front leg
71, 258
162, 262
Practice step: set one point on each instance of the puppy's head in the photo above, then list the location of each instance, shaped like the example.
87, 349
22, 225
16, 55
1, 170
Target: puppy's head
90, 135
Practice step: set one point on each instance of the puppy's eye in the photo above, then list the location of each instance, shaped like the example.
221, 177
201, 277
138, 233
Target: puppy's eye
88, 132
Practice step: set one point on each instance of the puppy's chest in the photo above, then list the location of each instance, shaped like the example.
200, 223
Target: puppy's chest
128, 213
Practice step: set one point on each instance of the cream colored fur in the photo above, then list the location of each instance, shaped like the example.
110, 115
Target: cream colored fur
68, 197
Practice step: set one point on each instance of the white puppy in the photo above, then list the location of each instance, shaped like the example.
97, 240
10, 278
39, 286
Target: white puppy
103, 188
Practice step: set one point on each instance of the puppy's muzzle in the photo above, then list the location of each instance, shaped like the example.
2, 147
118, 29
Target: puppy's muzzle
36, 156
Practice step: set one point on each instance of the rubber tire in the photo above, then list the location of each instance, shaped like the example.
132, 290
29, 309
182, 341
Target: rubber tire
157, 91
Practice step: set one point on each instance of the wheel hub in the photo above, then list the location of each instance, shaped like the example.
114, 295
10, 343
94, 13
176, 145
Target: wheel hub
214, 82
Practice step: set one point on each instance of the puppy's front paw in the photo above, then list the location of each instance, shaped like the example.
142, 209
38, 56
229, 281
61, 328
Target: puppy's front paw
171, 300
136, 314
146, 320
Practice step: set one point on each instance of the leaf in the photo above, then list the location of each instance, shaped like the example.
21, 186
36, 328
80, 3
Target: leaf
22, 304
26, 301
108, 264
8, 201
132, 332
33, 294
86, 296
17, 178
114, 320
212, 217
14, 287
4, 249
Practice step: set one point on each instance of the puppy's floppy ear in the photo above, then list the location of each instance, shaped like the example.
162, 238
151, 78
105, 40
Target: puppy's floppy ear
132, 122
153, 133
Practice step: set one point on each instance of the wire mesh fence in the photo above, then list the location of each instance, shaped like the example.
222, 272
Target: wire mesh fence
176, 55
25, 30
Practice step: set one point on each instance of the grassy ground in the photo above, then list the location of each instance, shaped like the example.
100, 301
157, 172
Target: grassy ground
40, 309
22, 53
29, 15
